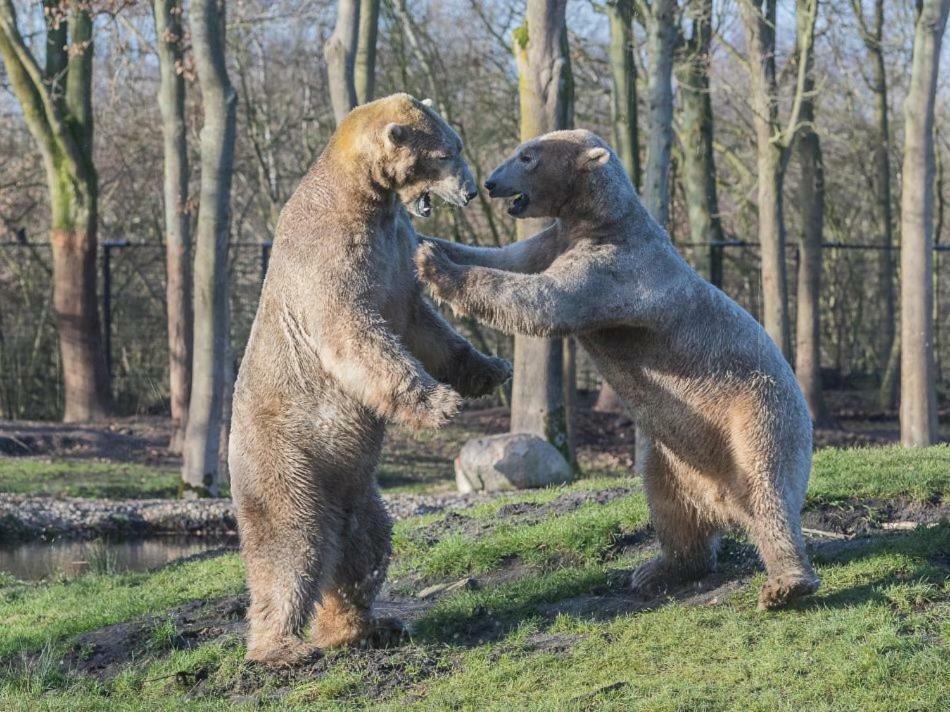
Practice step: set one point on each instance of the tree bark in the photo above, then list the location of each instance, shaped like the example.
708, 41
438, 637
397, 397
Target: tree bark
201, 467
623, 119
918, 403
661, 43
171, 101
340, 53
812, 206
57, 108
546, 90
660, 17
364, 71
872, 35
759, 19
699, 164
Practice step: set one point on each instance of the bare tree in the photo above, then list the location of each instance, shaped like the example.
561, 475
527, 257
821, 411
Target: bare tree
623, 120
364, 72
660, 18
340, 53
918, 410
872, 33
202, 442
773, 144
812, 206
696, 136
538, 403
57, 108
169, 34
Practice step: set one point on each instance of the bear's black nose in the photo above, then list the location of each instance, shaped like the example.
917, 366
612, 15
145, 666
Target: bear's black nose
470, 196
490, 185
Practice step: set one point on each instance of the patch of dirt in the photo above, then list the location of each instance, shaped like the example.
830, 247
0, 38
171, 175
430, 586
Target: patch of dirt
141, 439
382, 672
102, 653
857, 517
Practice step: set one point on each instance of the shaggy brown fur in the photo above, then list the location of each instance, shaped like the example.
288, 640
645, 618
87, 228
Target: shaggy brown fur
729, 427
343, 341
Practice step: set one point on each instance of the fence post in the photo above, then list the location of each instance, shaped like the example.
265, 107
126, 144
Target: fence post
265, 258
107, 303
715, 263
107, 246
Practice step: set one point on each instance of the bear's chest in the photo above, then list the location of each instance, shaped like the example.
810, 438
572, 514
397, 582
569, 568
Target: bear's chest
394, 279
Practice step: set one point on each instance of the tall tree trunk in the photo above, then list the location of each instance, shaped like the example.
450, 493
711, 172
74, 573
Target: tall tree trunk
546, 96
759, 19
872, 34
699, 164
661, 44
340, 53
918, 409
57, 108
773, 145
202, 441
171, 101
623, 119
364, 71
812, 205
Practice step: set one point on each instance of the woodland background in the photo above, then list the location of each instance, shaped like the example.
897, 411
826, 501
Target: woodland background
769, 136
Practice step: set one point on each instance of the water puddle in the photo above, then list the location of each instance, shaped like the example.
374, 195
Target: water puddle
33, 561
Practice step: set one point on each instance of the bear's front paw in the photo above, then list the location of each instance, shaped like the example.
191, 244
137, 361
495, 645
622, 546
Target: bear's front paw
486, 375
431, 409
436, 270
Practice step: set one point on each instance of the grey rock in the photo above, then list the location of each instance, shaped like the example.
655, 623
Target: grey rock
509, 462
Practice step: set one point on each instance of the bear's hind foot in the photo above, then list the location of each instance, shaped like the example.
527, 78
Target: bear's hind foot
780, 591
372, 633
657, 576
282, 653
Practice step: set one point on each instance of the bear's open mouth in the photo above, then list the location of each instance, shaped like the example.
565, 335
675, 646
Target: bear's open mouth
424, 205
518, 204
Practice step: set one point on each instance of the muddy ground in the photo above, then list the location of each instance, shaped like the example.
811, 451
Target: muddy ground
103, 653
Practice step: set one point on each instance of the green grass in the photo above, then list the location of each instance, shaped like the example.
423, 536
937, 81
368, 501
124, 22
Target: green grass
87, 478
882, 472
875, 637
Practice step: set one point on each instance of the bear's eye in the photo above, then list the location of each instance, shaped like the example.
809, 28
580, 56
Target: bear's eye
442, 157
524, 158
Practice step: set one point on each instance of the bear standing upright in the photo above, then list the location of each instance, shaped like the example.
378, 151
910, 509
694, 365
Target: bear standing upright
730, 431
342, 342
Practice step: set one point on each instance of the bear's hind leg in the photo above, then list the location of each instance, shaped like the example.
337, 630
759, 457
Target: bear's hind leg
778, 537
280, 563
687, 538
344, 613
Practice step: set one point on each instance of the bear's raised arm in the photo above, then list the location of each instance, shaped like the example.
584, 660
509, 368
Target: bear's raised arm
370, 362
449, 357
526, 256
554, 303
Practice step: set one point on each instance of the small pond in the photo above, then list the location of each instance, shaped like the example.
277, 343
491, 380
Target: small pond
36, 560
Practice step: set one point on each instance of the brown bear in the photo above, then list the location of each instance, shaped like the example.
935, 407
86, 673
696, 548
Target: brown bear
730, 432
343, 342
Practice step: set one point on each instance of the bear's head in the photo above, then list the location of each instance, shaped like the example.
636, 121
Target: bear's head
560, 174
410, 150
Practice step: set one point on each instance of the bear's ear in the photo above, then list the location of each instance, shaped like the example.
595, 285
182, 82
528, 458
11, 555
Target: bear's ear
427, 102
594, 158
395, 134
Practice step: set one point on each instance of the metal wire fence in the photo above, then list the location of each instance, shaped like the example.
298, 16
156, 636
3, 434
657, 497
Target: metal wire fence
132, 289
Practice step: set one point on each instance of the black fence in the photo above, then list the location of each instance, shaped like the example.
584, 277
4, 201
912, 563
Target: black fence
132, 292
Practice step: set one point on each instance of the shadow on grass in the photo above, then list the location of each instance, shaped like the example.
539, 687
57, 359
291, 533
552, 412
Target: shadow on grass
477, 617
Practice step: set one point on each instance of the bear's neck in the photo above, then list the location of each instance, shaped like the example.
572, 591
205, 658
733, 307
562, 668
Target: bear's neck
611, 219
357, 183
